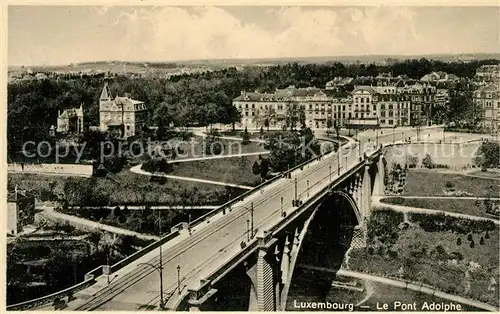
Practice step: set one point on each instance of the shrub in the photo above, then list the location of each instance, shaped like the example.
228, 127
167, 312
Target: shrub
245, 137
481, 241
469, 237
393, 200
472, 244
157, 165
449, 185
459, 241
427, 162
412, 161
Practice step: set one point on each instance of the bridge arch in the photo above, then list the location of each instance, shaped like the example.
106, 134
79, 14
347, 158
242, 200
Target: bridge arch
321, 245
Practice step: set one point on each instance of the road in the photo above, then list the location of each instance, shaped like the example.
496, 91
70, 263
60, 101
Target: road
211, 244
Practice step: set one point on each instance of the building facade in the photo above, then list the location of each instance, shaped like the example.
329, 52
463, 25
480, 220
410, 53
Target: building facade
488, 100
124, 114
488, 73
70, 120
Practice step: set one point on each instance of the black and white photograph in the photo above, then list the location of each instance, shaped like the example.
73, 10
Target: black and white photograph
323, 156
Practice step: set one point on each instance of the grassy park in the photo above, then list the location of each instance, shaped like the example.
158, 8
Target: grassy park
461, 206
432, 183
454, 255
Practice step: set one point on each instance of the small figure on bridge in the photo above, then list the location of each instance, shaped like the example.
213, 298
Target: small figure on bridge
243, 244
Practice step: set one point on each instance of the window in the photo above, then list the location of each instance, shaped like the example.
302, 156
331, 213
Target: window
246, 114
374, 107
253, 113
128, 127
382, 121
310, 106
382, 106
382, 113
356, 115
246, 106
362, 100
390, 122
350, 115
253, 106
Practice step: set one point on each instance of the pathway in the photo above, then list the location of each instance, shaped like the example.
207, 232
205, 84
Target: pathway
419, 288
49, 211
218, 157
141, 207
448, 197
137, 169
377, 203
229, 138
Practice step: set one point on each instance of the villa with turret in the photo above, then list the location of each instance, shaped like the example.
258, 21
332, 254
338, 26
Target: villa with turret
122, 114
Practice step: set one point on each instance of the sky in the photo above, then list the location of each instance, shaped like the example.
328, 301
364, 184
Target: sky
56, 35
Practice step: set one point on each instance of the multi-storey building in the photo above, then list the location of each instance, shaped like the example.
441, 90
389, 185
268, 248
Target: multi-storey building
70, 120
488, 99
389, 102
488, 73
124, 114
319, 106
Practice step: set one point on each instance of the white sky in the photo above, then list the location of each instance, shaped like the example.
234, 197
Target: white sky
64, 34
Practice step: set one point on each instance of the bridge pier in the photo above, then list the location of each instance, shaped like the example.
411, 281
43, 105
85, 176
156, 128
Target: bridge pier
265, 277
378, 183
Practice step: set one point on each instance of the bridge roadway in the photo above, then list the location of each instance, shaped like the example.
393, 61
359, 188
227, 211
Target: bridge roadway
211, 245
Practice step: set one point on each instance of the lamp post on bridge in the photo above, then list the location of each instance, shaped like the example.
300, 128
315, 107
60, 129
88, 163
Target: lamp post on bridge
330, 168
337, 126
282, 213
251, 219
179, 279
248, 230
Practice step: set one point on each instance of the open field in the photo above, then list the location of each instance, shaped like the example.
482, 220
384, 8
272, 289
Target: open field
436, 258
124, 188
237, 170
487, 174
432, 183
195, 148
469, 207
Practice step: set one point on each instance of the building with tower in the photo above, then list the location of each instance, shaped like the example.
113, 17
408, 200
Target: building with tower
121, 114
70, 120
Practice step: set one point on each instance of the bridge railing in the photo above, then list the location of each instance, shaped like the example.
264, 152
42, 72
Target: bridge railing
51, 297
144, 251
241, 197
90, 276
252, 245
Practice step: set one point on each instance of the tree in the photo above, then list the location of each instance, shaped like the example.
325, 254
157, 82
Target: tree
472, 244
427, 162
488, 155
264, 168
487, 235
329, 124
292, 115
256, 168
481, 241
459, 241
450, 186
245, 137
469, 237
